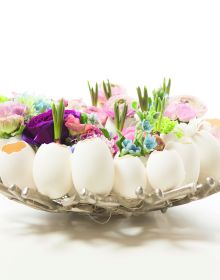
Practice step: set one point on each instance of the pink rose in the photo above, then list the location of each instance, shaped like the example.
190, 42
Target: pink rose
75, 127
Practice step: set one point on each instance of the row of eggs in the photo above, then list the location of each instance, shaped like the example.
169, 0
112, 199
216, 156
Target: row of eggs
55, 171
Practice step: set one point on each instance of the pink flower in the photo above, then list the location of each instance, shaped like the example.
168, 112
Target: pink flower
76, 104
75, 127
116, 90
199, 108
12, 108
129, 132
11, 118
109, 105
102, 117
182, 111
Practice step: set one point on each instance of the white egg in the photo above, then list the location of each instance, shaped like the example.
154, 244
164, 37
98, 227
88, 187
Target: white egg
129, 175
93, 166
144, 160
209, 153
165, 169
16, 162
190, 157
52, 170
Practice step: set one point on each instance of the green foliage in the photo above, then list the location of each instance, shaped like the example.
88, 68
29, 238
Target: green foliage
167, 125
58, 118
143, 99
93, 94
3, 98
120, 109
83, 118
107, 87
106, 133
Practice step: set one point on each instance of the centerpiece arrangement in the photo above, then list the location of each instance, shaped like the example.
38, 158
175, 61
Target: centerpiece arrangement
119, 155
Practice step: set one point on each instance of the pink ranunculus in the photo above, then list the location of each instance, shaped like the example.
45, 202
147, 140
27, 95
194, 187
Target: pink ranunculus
109, 105
170, 111
100, 114
199, 107
182, 111
129, 132
75, 127
116, 90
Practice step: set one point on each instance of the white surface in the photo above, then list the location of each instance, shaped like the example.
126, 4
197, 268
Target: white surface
53, 47
182, 244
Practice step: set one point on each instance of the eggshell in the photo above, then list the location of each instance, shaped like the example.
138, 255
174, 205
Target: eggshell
52, 170
16, 162
129, 175
9, 140
165, 169
93, 166
189, 154
209, 153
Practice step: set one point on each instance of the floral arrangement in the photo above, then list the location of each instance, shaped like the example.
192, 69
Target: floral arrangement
115, 144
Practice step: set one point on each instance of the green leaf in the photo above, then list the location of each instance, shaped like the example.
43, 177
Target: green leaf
83, 118
105, 133
119, 142
134, 105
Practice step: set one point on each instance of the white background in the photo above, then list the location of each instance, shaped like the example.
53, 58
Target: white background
53, 48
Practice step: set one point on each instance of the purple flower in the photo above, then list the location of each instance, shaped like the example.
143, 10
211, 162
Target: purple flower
40, 129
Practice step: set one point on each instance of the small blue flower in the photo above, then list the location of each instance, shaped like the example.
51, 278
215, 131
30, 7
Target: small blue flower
130, 148
150, 143
146, 126
41, 106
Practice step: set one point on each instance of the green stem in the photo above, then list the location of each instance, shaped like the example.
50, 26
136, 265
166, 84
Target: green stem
143, 99
107, 89
58, 118
93, 94
120, 114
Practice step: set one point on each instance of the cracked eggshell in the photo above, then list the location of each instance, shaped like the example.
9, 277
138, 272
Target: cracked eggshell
9, 140
165, 169
209, 154
16, 162
129, 175
93, 167
52, 170
189, 154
